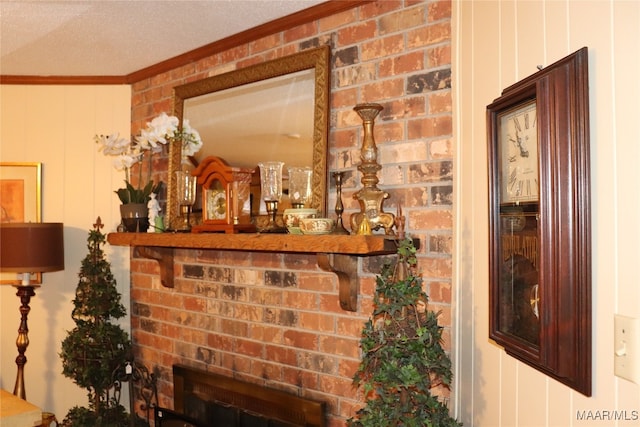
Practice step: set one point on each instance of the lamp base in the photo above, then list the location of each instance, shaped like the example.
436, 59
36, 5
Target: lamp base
22, 342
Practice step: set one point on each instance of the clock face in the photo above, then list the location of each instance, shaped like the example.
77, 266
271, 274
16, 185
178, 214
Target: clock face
216, 201
518, 144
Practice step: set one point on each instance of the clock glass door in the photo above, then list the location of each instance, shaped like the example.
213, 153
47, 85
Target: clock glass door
519, 293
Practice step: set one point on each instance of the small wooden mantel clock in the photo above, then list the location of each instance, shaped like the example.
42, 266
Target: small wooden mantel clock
226, 197
540, 221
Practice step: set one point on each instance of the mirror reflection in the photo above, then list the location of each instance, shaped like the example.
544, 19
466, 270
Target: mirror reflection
271, 119
273, 111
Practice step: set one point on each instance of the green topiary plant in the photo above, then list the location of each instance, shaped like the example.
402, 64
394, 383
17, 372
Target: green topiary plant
402, 355
95, 347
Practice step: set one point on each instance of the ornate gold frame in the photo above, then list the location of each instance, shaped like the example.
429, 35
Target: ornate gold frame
318, 59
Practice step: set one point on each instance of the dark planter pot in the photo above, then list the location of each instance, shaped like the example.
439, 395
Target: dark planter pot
135, 217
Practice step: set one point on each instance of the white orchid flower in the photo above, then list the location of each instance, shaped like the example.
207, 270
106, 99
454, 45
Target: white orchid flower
146, 140
158, 131
125, 161
164, 126
126, 154
165, 122
191, 140
191, 149
112, 145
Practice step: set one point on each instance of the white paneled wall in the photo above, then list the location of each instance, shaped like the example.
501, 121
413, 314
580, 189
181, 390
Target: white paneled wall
496, 44
55, 125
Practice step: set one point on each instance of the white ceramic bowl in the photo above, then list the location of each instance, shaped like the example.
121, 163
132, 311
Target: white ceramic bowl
292, 218
317, 225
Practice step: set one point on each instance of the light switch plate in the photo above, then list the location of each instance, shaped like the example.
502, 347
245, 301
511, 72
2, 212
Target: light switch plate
626, 341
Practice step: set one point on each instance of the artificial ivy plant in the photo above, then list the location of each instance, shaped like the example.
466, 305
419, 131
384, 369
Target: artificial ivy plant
92, 351
402, 356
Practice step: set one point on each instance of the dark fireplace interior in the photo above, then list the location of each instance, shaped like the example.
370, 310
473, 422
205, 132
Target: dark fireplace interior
216, 400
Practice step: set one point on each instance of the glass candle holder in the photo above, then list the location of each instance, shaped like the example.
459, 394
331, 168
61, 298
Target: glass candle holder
186, 194
271, 189
299, 186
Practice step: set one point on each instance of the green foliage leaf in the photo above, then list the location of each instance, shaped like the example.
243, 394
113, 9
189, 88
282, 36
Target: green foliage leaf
92, 351
131, 194
402, 353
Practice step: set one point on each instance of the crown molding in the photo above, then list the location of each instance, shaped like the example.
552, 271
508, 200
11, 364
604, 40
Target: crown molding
62, 80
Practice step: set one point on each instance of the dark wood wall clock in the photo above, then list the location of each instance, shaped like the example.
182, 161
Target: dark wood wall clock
540, 221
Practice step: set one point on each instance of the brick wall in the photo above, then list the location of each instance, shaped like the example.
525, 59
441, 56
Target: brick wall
275, 319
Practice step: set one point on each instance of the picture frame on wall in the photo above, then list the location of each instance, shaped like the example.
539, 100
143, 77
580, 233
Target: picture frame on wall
20, 201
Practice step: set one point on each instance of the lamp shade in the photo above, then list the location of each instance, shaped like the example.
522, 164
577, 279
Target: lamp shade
31, 247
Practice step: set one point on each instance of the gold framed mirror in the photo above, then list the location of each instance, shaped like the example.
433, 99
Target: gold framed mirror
245, 100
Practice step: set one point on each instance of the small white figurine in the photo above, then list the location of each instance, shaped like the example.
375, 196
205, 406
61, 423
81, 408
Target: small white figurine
154, 210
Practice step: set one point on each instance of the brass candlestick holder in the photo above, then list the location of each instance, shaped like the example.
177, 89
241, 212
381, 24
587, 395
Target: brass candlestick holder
271, 187
186, 184
371, 216
339, 229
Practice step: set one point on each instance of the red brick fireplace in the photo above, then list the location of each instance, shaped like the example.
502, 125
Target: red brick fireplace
271, 319
274, 319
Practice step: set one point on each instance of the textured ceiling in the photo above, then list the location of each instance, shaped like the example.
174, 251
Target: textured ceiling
115, 38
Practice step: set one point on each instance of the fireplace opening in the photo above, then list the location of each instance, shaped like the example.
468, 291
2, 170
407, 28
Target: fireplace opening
216, 400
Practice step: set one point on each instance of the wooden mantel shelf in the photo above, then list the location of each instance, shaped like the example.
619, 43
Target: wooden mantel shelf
329, 243
335, 253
